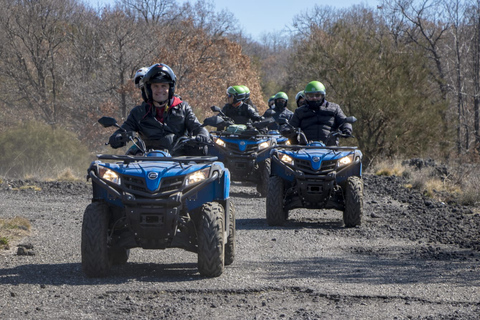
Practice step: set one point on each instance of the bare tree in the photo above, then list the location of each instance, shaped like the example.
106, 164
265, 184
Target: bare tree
35, 34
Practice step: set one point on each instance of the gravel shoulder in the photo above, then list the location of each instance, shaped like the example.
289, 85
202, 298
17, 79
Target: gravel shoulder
412, 258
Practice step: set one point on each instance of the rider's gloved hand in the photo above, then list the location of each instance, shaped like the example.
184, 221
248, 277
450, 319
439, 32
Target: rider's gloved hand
117, 140
286, 131
202, 139
347, 132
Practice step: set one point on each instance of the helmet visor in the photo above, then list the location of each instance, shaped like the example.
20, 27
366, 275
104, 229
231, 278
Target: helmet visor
314, 95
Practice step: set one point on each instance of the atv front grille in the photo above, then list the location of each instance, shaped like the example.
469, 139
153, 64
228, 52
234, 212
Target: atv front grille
328, 166
134, 183
236, 148
137, 185
306, 166
171, 184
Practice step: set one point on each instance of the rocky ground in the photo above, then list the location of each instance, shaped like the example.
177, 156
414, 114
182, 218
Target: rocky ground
412, 258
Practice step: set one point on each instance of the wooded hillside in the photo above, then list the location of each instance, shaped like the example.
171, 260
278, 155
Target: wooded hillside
408, 70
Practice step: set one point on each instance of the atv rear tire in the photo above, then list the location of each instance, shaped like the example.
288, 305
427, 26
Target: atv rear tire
95, 260
230, 246
352, 214
276, 214
262, 186
118, 255
211, 259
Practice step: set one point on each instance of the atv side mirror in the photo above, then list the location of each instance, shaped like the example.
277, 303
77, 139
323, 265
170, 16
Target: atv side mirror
108, 122
351, 119
215, 109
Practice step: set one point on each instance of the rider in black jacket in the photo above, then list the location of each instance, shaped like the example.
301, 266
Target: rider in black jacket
318, 117
236, 109
281, 111
164, 117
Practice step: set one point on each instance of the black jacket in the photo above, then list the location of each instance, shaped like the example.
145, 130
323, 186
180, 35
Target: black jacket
280, 114
242, 114
317, 124
178, 121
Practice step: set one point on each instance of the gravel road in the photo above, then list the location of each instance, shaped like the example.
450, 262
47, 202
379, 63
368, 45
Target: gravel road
412, 258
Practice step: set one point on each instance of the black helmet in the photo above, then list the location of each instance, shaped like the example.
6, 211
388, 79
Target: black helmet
159, 73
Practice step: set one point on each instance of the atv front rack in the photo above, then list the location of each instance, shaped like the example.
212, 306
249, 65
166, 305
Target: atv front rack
181, 159
298, 147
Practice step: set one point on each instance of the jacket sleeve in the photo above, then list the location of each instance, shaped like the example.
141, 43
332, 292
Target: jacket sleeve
252, 114
192, 123
295, 119
132, 123
339, 121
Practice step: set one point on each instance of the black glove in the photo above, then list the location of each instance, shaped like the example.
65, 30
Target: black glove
286, 131
118, 140
347, 132
202, 139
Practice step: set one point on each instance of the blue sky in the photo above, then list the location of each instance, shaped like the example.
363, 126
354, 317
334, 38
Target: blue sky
266, 16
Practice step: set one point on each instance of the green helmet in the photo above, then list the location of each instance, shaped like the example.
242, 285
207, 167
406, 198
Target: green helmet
280, 105
238, 93
314, 94
281, 95
314, 87
247, 92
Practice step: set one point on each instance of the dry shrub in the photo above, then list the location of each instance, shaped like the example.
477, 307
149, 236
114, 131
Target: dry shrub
38, 151
12, 230
388, 168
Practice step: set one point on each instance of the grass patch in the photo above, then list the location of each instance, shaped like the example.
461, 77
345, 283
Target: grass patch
388, 168
40, 151
458, 185
28, 187
12, 230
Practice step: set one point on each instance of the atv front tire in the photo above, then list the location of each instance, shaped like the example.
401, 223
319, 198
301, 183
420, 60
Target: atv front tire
211, 259
95, 259
230, 246
276, 214
262, 186
352, 214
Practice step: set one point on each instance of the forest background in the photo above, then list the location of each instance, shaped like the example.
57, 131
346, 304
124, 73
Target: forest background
409, 71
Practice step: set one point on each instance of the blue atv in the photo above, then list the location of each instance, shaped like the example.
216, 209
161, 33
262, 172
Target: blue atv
245, 150
155, 201
313, 176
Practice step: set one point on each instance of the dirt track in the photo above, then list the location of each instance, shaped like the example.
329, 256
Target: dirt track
412, 258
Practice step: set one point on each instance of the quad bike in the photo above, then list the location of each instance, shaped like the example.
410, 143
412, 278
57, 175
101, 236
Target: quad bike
315, 176
244, 149
156, 201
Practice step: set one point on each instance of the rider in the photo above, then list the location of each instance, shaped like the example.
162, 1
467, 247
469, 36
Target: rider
318, 117
271, 102
247, 98
138, 80
237, 109
163, 117
300, 98
281, 111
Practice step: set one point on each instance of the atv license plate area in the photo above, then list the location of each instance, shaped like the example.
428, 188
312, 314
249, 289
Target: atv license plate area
154, 227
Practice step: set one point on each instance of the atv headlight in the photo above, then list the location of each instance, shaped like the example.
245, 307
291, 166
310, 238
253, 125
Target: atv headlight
108, 175
197, 176
220, 142
286, 158
345, 161
288, 143
263, 145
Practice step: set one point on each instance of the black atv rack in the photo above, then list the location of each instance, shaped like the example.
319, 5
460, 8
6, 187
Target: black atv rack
182, 159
